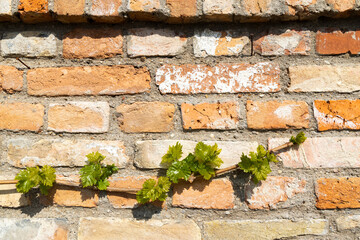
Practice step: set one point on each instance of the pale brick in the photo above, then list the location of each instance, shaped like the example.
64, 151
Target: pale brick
146, 117
155, 42
21, 116
149, 153
26, 152
11, 79
150, 229
325, 152
210, 115
9, 197
274, 190
70, 10
214, 194
221, 43
290, 42
348, 222
70, 81
260, 229
106, 10
29, 44
330, 42
143, 5
5, 7
218, 10
326, 78
342, 5
223, 78
34, 228
91, 117
277, 114
256, 7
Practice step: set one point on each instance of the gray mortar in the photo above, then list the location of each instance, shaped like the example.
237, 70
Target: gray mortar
301, 206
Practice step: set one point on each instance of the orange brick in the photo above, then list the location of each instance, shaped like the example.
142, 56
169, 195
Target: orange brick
115, 80
92, 43
70, 10
342, 5
34, 11
144, 10
218, 10
146, 117
182, 10
214, 194
337, 114
21, 116
106, 11
210, 115
330, 42
277, 115
335, 193
11, 79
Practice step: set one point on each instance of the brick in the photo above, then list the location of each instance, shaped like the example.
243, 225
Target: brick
93, 43
348, 222
256, 7
144, 10
221, 43
146, 117
29, 44
274, 190
223, 78
106, 11
150, 229
26, 152
210, 115
313, 78
9, 197
5, 8
182, 11
149, 152
34, 228
34, 11
70, 81
11, 79
342, 5
277, 114
266, 230
337, 114
290, 42
332, 193
19, 116
324, 152
332, 42
155, 42
218, 10
89, 117
214, 194
70, 10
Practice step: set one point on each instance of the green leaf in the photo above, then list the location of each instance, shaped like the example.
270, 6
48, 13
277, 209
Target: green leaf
103, 184
208, 154
178, 170
89, 175
153, 191
299, 139
94, 158
48, 176
34, 176
174, 154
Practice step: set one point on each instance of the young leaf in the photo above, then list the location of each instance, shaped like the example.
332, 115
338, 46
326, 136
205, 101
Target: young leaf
178, 170
299, 139
153, 191
174, 154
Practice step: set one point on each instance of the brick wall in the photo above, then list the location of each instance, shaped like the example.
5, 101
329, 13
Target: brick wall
128, 79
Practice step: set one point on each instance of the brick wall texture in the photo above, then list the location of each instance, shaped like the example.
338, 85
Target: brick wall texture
128, 78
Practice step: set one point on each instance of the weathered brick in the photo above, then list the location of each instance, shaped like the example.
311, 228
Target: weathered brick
155, 42
182, 11
9, 197
149, 152
326, 78
342, 5
5, 8
92, 43
324, 152
221, 43
290, 42
337, 114
91, 117
25, 152
106, 11
34, 228
210, 115
70, 81
34, 11
330, 42
266, 230
272, 191
146, 117
277, 114
214, 194
11, 79
218, 10
150, 229
144, 10
335, 193
256, 7
21, 116
348, 222
29, 44
70, 10
223, 78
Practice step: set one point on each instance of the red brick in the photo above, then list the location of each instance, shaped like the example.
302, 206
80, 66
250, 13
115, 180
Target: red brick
335, 193
223, 78
214, 194
92, 43
34, 11
210, 115
70, 81
337, 114
11, 79
21, 116
182, 10
106, 11
146, 117
277, 115
337, 42
70, 10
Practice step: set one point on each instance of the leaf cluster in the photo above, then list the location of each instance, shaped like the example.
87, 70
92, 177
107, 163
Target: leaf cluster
153, 190
257, 163
299, 139
34, 176
95, 173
